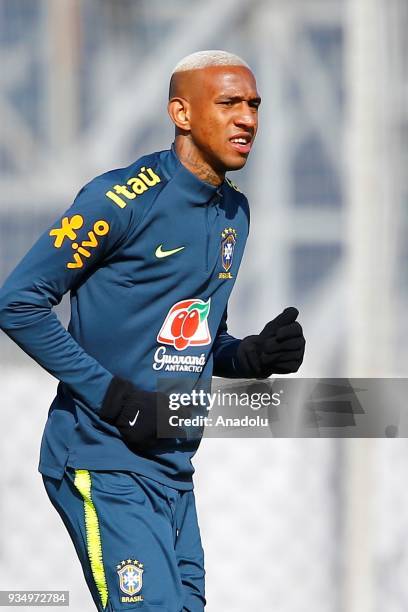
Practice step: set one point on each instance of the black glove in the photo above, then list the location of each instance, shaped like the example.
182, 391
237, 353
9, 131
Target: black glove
278, 349
136, 413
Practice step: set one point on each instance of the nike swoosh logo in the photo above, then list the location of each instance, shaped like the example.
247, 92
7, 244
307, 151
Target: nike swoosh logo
131, 423
160, 253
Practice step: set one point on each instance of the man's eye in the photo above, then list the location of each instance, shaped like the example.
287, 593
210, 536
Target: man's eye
227, 102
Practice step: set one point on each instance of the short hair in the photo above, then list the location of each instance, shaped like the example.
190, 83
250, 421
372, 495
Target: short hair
212, 57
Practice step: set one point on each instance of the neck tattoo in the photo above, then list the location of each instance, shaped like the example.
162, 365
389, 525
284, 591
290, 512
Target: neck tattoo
202, 170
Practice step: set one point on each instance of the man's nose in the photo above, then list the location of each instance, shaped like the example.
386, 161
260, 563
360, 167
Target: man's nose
246, 117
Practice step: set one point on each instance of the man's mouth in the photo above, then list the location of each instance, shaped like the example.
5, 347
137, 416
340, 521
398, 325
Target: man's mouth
242, 143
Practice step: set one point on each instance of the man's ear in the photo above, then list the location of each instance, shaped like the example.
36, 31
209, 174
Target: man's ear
179, 111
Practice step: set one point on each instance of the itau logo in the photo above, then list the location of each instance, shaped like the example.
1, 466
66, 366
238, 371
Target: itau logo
186, 325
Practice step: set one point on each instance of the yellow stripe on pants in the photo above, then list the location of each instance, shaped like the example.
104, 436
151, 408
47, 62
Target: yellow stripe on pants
93, 537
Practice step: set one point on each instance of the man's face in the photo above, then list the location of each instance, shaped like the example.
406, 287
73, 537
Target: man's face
224, 115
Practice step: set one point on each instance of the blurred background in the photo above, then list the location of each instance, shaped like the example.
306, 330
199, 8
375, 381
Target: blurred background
288, 525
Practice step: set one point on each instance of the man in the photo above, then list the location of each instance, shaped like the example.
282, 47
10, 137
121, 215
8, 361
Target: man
150, 254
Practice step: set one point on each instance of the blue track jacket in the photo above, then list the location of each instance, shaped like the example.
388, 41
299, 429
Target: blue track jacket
150, 254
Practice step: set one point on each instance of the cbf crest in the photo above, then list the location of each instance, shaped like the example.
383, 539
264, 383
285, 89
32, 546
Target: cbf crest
228, 241
130, 574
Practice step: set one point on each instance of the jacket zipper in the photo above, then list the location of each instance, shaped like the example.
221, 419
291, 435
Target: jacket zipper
207, 225
208, 229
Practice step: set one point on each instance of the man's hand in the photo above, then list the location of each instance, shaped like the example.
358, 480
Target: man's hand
136, 412
278, 349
